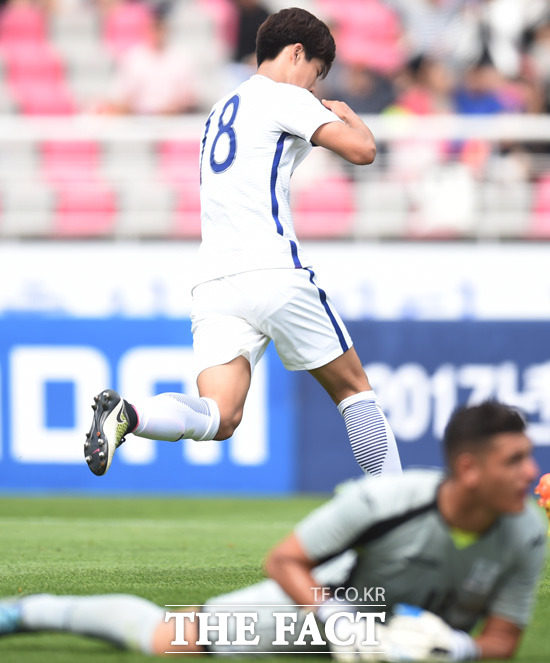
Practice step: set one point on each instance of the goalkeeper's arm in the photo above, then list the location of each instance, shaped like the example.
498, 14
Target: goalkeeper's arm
499, 639
291, 567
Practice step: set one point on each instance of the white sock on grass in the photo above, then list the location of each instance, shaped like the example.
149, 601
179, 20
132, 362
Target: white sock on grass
128, 621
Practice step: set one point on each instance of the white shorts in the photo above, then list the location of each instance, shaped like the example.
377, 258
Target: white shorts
238, 315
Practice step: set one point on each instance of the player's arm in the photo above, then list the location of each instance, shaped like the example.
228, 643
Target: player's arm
351, 139
499, 639
290, 566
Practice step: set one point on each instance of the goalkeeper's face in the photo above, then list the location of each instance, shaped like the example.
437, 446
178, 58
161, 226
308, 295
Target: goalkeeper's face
506, 470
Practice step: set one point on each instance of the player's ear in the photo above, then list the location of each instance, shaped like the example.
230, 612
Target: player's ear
467, 469
297, 50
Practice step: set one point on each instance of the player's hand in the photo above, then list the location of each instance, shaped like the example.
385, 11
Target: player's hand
339, 108
413, 634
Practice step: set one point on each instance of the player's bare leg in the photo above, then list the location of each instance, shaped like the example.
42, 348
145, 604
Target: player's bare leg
371, 438
165, 634
342, 377
228, 386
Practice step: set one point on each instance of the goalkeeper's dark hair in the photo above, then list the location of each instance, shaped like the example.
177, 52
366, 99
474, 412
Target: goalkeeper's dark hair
295, 26
471, 428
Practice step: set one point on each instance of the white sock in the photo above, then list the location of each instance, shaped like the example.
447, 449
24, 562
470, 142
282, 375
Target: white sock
173, 417
372, 440
128, 621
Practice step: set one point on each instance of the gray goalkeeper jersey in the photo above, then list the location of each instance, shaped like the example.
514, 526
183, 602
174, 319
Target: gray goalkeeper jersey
404, 546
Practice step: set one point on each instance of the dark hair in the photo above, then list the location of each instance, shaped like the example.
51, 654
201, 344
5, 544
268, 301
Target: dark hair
295, 26
472, 428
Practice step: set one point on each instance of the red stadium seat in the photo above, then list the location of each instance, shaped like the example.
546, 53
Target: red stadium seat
325, 210
84, 209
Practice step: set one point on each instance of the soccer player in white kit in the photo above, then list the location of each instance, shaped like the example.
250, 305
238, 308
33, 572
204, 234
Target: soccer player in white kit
255, 282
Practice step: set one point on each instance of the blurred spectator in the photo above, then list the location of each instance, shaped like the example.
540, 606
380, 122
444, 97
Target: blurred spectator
153, 78
428, 86
538, 61
481, 91
501, 30
432, 27
363, 89
247, 17
250, 15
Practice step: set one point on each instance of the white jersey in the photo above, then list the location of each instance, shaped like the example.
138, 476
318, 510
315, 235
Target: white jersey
252, 141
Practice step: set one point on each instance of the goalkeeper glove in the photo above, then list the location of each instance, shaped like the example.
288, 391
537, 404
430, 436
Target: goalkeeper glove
414, 634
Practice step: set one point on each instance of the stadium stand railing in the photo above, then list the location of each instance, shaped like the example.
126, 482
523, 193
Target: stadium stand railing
434, 177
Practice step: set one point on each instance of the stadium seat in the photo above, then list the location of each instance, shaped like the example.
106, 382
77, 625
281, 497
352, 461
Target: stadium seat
42, 97
128, 161
19, 160
126, 25
188, 209
27, 209
70, 160
382, 209
145, 209
31, 60
325, 208
77, 21
178, 163
223, 14
367, 32
84, 209
22, 22
504, 210
540, 223
178, 159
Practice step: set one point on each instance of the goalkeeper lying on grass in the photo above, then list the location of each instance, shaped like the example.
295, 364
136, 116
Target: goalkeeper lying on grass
461, 547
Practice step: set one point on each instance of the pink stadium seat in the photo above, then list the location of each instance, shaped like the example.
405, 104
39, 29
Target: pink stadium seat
84, 209
367, 32
224, 16
325, 210
22, 22
540, 226
179, 160
31, 60
35, 96
70, 160
126, 25
188, 208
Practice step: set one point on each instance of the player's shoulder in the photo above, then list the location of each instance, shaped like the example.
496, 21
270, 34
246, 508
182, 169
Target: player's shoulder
528, 528
395, 494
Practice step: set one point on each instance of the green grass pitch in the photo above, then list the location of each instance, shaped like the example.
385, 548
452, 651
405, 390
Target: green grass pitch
171, 551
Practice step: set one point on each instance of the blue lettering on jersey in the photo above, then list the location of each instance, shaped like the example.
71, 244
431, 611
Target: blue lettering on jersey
206, 130
226, 128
